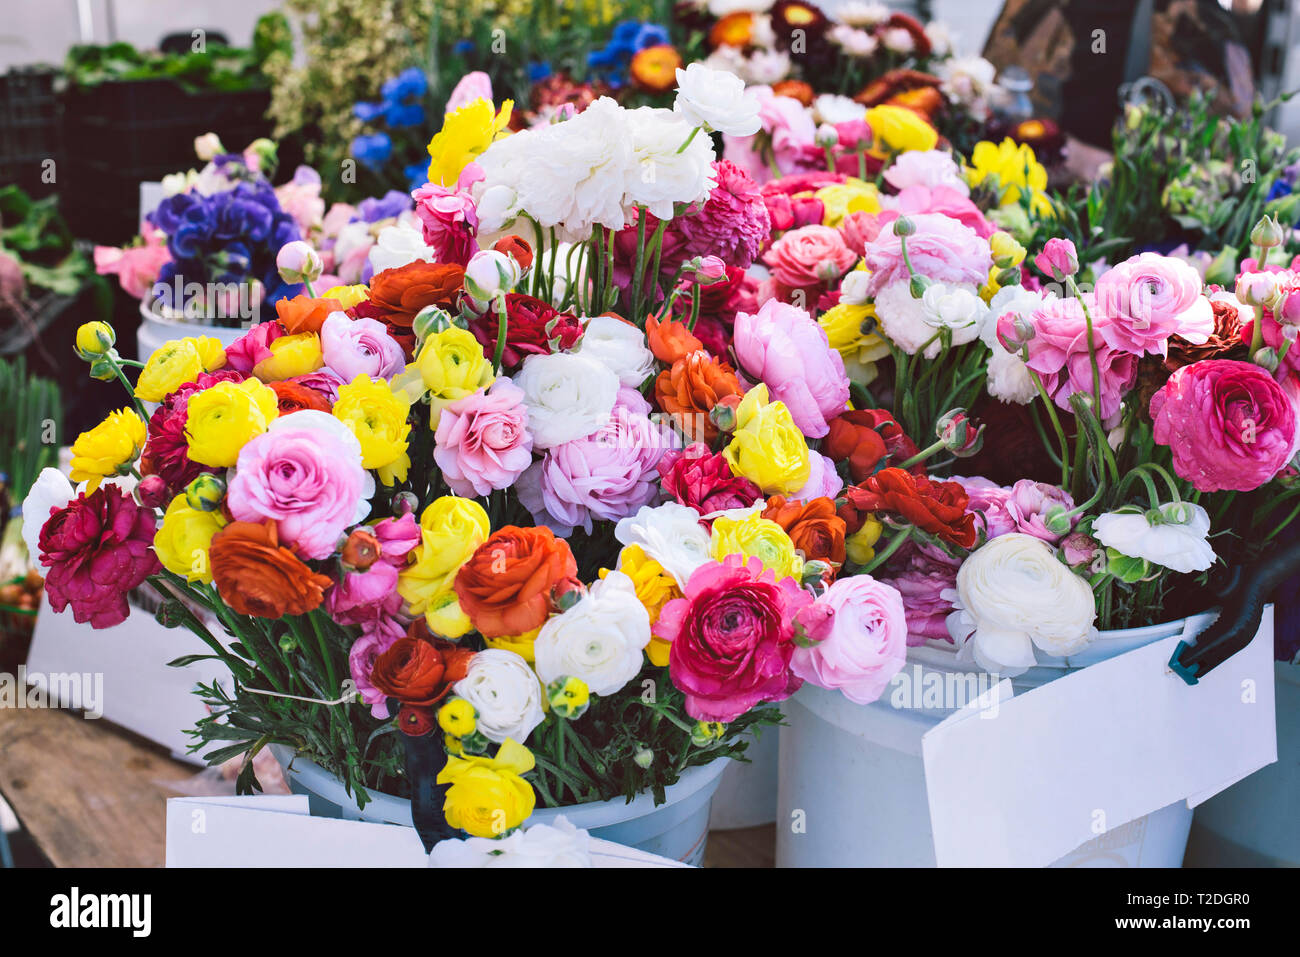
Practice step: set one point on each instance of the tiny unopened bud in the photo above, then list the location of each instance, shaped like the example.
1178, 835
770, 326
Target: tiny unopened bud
723, 416
644, 757
1267, 233
566, 593
1266, 358
917, 286
288, 644
429, 321
959, 434
1256, 288
404, 503
1009, 276
904, 226
152, 491
205, 493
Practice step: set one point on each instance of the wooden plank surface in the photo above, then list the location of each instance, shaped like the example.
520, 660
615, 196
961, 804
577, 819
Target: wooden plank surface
742, 847
89, 794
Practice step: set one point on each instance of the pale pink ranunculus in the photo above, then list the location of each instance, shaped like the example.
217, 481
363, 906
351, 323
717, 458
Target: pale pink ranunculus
988, 502
136, 267
931, 168
253, 346
1030, 504
449, 217
790, 128
945, 201
809, 255
823, 480
865, 644
784, 347
1148, 298
475, 85
942, 249
353, 347
482, 442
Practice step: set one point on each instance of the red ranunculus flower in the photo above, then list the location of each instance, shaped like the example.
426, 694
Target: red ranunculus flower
534, 328
418, 672
868, 438
703, 480
935, 507
294, 397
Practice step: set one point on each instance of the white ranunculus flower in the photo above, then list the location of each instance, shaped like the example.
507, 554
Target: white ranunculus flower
400, 245
854, 42
506, 693
833, 108
600, 639
568, 397
716, 100
50, 490
671, 534
853, 287
969, 80
1008, 375
620, 347
497, 207
940, 36
765, 67
661, 176
542, 845
1177, 540
898, 40
956, 307
1012, 594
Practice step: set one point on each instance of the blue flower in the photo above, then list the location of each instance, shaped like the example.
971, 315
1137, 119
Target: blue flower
373, 150
399, 115
538, 71
651, 35
410, 82
367, 112
392, 203
1280, 188
417, 175
463, 47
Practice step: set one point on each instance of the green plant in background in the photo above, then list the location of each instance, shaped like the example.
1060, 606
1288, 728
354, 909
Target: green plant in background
30, 428
35, 239
216, 67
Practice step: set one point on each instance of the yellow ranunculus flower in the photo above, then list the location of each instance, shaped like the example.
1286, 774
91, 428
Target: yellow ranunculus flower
109, 448
900, 129
465, 135
457, 717
183, 539
223, 419
487, 796
843, 327
756, 537
767, 447
347, 296
94, 339
1007, 252
654, 589
851, 196
861, 545
450, 366
522, 645
291, 356
175, 363
1015, 167
377, 417
451, 528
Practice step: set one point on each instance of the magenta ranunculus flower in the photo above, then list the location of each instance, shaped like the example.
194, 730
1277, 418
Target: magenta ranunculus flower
733, 224
988, 502
362, 591
703, 480
253, 346
449, 217
865, 645
784, 347
1228, 424
941, 249
353, 347
732, 638
97, 549
305, 473
1148, 298
809, 255
482, 441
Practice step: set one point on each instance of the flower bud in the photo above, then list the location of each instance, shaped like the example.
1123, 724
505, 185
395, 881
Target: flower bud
723, 416
94, 339
152, 491
644, 757
298, 262
1079, 550
171, 613
1058, 259
1057, 520
568, 697
474, 743
404, 503
904, 226
711, 269
490, 272
853, 287
1256, 288
826, 136
288, 644
1266, 358
517, 248
1007, 252
917, 286
103, 367
1009, 276
814, 571
566, 593
205, 493
360, 550
706, 732
828, 270
208, 147
429, 321
959, 434
261, 155
1267, 233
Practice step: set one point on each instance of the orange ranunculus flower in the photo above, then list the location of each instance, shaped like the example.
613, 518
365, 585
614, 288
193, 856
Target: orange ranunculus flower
893, 83
795, 90
813, 526
506, 586
517, 248
733, 30
255, 575
305, 314
670, 340
654, 69
418, 672
691, 388
294, 397
396, 295
925, 100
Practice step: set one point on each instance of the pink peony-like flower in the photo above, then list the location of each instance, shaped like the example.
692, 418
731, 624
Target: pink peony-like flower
823, 480
1058, 352
449, 217
931, 168
922, 576
136, 267
606, 476
1031, 503
1228, 424
865, 645
353, 347
732, 638
482, 442
97, 549
304, 474
703, 480
808, 256
253, 346
733, 224
1148, 298
784, 347
941, 249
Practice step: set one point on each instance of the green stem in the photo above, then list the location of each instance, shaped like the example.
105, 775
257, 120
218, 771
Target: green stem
894, 545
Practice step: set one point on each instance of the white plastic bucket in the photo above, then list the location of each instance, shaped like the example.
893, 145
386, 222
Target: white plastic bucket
851, 791
155, 330
747, 795
677, 829
1254, 822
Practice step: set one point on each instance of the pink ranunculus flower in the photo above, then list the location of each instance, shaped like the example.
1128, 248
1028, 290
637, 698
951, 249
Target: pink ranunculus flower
353, 347
136, 267
988, 501
325, 381
96, 549
733, 223
1058, 259
809, 255
352, 600
475, 85
732, 638
253, 346
930, 168
946, 201
789, 126
482, 442
823, 480
1228, 424
860, 228
304, 473
449, 217
784, 347
1030, 504
865, 645
703, 480
1148, 298
373, 642
1058, 352
941, 249
922, 576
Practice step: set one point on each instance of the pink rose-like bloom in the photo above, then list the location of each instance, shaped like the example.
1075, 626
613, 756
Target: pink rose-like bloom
361, 661
449, 217
808, 256
606, 476
1227, 423
475, 85
97, 549
325, 381
860, 228
354, 347
1058, 259
922, 577
930, 168
136, 267
732, 638
865, 645
785, 347
482, 442
1029, 504
1059, 354
304, 477
702, 480
943, 200
988, 502
733, 224
253, 346
941, 249
1149, 298
823, 480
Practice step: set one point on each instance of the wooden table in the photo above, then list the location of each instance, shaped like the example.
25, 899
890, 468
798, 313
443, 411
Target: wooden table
89, 793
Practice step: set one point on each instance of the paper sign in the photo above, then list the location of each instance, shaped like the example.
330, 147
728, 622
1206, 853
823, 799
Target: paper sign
1093, 750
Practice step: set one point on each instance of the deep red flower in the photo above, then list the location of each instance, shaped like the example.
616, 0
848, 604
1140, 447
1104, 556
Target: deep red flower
938, 508
533, 328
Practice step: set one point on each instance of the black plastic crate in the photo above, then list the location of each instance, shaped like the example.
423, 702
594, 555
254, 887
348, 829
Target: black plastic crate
30, 130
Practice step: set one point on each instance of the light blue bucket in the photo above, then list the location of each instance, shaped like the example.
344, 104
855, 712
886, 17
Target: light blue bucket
677, 829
